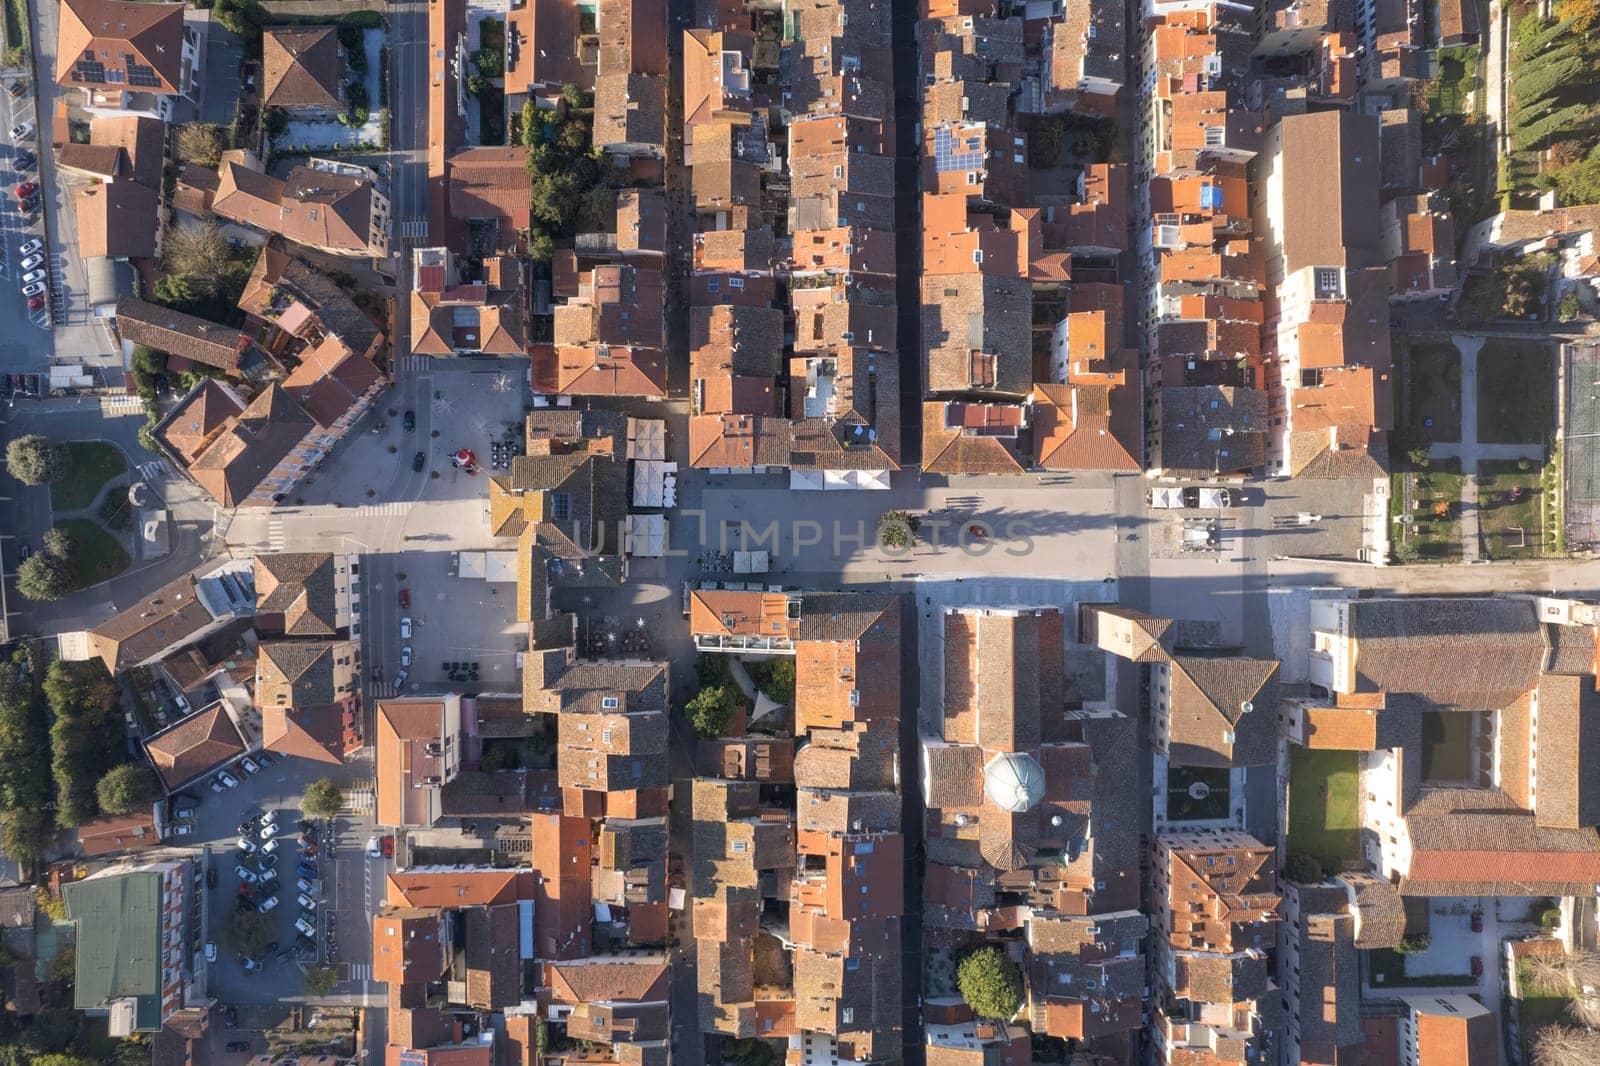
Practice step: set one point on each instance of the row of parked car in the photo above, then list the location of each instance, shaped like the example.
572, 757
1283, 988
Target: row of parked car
230, 777
260, 838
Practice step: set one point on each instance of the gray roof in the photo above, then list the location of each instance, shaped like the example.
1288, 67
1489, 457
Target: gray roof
1438, 653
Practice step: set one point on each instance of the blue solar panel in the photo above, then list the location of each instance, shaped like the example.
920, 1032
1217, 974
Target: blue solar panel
948, 155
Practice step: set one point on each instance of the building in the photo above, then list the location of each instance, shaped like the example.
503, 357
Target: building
303, 71
451, 316
132, 943
1451, 1028
187, 339
128, 57
419, 750
173, 617
193, 747
306, 594
326, 205
309, 696
120, 212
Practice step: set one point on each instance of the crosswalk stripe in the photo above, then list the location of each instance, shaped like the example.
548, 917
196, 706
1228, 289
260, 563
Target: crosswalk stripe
275, 535
360, 971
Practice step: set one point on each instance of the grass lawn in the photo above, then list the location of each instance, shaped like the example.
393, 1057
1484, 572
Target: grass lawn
1431, 399
1534, 1013
1388, 970
1516, 392
1208, 800
96, 555
1322, 803
1510, 500
93, 463
1457, 79
1447, 753
1431, 537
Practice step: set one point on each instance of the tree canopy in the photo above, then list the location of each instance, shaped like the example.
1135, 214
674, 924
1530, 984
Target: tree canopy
36, 460
711, 709
322, 799
127, 788
990, 983
43, 577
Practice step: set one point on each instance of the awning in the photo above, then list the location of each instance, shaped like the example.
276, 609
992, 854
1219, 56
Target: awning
647, 438
655, 483
811, 480
646, 535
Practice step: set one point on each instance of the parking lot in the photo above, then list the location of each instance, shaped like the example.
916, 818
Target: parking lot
453, 620
20, 340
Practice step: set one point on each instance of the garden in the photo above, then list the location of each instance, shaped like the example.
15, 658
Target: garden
363, 124
1516, 391
1511, 509
1430, 399
1554, 72
1428, 506
1197, 793
82, 549
1324, 812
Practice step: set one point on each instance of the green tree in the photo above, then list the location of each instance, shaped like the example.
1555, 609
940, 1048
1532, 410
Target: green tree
1569, 308
127, 788
541, 249
990, 983
749, 1052
322, 799
320, 980
176, 291
573, 96
244, 17
1303, 868
43, 577
36, 460
57, 542
81, 696
147, 437
149, 360
477, 84
26, 833
490, 62
62, 1059
1579, 183
711, 709
251, 931
530, 123
896, 529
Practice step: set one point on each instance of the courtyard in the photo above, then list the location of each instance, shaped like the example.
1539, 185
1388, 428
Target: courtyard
1324, 808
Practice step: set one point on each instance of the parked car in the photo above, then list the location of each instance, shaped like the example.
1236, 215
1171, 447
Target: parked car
247, 845
305, 928
268, 903
30, 246
418, 461
388, 847
1477, 921
405, 627
248, 765
35, 289
33, 262
304, 886
182, 829
374, 848
264, 760
306, 902
269, 830
247, 875
400, 679
25, 161
409, 421
251, 965
36, 301
22, 131
270, 846
31, 276
1477, 966
17, 87
227, 779
405, 655
238, 1045
26, 189
267, 861
308, 870
268, 817
211, 951
405, 599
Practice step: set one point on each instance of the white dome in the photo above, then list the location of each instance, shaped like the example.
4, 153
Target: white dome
1013, 781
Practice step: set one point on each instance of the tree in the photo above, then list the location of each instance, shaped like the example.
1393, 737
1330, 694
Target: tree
530, 123
148, 360
711, 709
896, 529
322, 799
1579, 183
127, 788
81, 695
57, 542
26, 833
198, 142
176, 291
477, 84
252, 931
62, 1059
43, 577
200, 252
749, 1052
541, 249
320, 980
1303, 868
1581, 14
489, 61
37, 460
990, 983
1569, 307
573, 96
244, 17
1565, 1045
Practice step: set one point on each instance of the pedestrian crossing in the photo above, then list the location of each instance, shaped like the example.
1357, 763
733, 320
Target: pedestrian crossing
377, 510
151, 471
275, 535
413, 228
384, 690
359, 971
121, 405
416, 364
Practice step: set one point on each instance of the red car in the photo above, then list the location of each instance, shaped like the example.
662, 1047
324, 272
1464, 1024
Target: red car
388, 847
35, 302
27, 189
405, 598
1477, 921
1477, 966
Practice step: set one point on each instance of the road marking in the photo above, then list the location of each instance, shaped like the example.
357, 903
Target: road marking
275, 535
373, 510
359, 971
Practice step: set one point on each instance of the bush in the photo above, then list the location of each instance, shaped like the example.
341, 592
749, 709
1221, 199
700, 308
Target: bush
81, 696
896, 529
127, 788
489, 61
711, 709
322, 799
1569, 307
147, 437
990, 983
36, 460
1413, 944
363, 20
57, 542
1302, 868
43, 577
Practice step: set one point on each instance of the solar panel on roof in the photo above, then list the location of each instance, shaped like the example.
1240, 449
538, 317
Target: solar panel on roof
948, 156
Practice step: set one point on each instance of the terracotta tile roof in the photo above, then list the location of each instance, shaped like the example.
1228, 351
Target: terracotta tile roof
455, 887
541, 46
1213, 698
949, 446
1448, 654
1087, 427
302, 66
120, 35
310, 731
600, 979
300, 586
492, 182
113, 833
206, 739
176, 333
1475, 842
199, 417
738, 441
251, 447
166, 617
